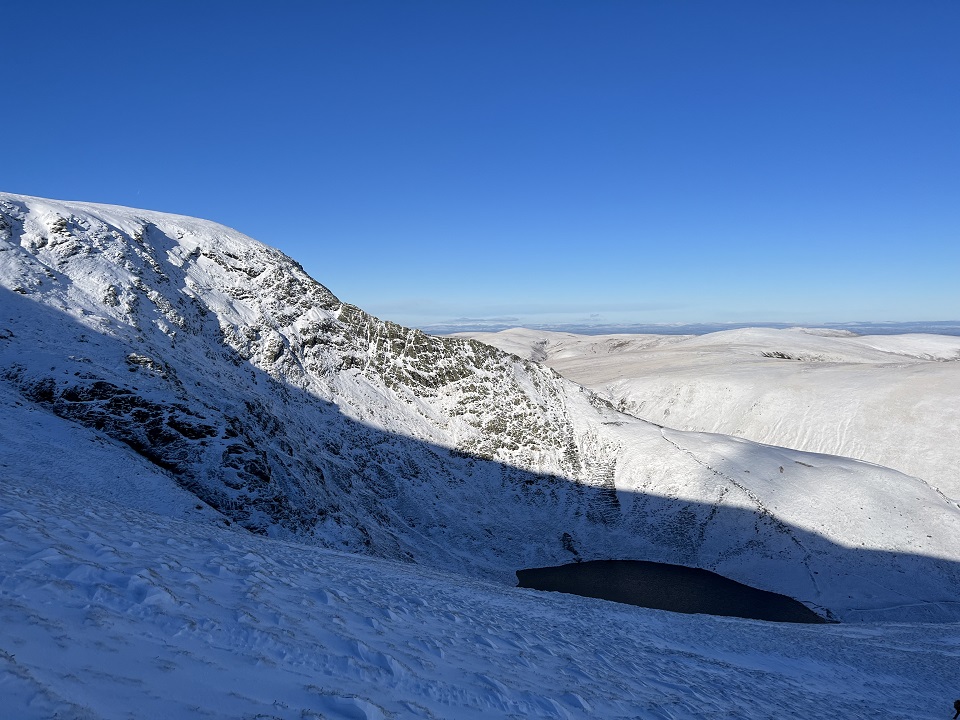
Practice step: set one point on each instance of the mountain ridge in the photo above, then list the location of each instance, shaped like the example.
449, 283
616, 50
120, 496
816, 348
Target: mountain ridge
888, 399
300, 416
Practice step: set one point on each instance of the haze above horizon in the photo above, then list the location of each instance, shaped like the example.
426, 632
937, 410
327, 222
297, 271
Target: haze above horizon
539, 163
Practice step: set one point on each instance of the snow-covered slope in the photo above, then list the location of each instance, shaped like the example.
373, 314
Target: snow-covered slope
110, 612
292, 414
893, 400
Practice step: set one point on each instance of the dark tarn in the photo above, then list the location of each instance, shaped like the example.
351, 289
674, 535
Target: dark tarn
667, 587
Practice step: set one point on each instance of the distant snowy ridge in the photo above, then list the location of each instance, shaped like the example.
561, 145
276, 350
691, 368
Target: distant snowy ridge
889, 399
293, 414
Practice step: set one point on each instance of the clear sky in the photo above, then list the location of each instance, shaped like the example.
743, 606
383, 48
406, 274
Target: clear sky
661, 161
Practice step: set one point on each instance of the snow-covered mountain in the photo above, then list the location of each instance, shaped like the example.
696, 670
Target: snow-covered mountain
221, 363
893, 400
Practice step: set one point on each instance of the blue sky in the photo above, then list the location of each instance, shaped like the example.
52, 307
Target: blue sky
682, 161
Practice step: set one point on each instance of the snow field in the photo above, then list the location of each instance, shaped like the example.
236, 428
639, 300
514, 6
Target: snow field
114, 612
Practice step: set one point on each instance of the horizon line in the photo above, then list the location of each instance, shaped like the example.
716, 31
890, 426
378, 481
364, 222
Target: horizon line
876, 327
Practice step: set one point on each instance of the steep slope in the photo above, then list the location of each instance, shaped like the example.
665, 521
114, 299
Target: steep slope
893, 400
296, 415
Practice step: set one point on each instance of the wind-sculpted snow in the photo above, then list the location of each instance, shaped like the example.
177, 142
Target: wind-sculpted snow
219, 361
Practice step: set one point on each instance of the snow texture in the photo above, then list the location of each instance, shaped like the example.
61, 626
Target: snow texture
110, 611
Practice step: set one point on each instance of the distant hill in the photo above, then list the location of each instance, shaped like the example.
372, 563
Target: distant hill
893, 400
